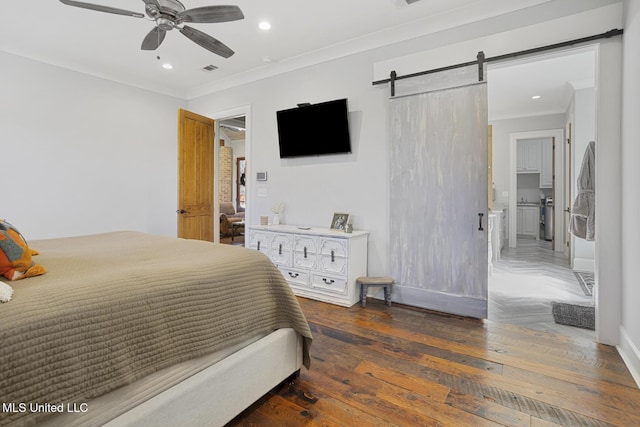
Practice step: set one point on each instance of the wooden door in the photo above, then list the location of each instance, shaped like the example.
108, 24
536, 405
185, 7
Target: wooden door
195, 176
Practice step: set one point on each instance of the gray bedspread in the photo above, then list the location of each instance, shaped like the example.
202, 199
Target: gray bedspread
115, 307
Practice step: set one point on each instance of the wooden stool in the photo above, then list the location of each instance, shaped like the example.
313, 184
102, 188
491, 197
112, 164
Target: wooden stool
365, 282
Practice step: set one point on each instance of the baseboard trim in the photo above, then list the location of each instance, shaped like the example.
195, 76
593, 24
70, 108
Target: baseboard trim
440, 301
630, 354
583, 264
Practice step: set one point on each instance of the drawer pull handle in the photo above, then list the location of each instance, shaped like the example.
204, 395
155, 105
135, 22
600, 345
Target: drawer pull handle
333, 256
305, 252
294, 275
280, 249
258, 244
328, 281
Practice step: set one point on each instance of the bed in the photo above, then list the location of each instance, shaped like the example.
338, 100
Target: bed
131, 329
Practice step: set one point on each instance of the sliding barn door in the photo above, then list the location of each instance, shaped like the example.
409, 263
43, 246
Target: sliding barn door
438, 195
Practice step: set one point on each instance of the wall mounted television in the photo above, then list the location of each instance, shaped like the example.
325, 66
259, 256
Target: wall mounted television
314, 129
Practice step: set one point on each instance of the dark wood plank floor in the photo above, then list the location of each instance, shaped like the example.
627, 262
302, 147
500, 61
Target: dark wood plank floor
402, 366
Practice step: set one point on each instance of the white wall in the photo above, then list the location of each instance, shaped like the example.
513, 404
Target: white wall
81, 155
314, 188
630, 328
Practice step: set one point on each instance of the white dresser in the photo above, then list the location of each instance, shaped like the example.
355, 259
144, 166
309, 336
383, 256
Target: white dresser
318, 263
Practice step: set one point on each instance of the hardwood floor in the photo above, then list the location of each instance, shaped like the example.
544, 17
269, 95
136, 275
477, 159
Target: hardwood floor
237, 240
527, 280
403, 366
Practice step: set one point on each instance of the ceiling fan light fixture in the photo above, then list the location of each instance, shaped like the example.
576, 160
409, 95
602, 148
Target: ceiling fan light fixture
165, 24
171, 6
170, 14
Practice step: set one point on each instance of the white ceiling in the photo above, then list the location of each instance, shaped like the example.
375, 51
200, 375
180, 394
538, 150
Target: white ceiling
303, 33
553, 77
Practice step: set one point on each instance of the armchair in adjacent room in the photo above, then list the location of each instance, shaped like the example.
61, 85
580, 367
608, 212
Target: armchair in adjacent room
228, 216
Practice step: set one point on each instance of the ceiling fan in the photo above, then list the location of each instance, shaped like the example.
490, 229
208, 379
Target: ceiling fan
170, 14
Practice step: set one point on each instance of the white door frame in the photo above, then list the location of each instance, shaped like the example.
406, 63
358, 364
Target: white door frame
558, 215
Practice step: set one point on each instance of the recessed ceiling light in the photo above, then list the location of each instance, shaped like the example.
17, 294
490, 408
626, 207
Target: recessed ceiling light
167, 66
264, 25
536, 97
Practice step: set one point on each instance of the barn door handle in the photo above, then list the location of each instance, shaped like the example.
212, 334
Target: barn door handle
480, 215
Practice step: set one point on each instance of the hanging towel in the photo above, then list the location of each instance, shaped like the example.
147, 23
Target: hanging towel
583, 212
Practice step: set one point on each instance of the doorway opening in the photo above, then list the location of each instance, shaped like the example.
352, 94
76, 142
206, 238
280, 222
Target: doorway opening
533, 104
232, 189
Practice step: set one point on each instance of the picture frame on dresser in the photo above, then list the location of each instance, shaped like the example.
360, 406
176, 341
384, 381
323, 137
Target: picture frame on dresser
340, 221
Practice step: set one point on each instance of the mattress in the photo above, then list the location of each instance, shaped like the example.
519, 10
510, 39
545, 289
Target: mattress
116, 307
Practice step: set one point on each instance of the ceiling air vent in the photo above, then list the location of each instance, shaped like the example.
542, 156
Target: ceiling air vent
209, 68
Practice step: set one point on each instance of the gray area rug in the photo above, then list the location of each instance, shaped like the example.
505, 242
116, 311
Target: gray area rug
586, 281
574, 315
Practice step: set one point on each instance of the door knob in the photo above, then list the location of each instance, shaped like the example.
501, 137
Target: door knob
181, 211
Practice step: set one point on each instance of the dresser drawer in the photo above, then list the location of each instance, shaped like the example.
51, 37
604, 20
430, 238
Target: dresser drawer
333, 284
281, 249
333, 256
259, 241
296, 278
305, 252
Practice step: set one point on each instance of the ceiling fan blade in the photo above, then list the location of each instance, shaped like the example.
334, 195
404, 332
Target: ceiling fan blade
153, 39
211, 14
100, 8
207, 42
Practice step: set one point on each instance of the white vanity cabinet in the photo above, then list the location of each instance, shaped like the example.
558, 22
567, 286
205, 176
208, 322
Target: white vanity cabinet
528, 221
317, 263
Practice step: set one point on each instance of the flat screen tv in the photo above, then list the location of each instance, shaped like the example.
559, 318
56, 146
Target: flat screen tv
314, 129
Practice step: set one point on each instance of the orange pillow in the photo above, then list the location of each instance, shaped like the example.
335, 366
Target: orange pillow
15, 255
